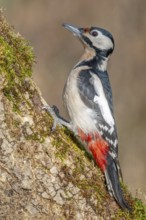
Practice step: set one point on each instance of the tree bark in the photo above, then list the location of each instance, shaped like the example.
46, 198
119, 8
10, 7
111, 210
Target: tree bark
43, 175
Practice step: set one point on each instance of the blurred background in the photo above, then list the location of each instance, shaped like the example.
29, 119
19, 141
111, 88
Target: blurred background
57, 51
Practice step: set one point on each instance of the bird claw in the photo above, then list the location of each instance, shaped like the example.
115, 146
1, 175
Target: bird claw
58, 120
54, 112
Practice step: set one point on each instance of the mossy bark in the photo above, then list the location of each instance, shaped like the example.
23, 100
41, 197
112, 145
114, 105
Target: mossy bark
43, 175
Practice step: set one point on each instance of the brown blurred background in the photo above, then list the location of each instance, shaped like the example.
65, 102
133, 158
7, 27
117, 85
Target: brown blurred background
57, 51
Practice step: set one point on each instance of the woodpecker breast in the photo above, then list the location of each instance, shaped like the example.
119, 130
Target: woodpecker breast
82, 117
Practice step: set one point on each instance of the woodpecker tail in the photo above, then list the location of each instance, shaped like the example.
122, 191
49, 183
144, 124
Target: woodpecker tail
113, 184
109, 165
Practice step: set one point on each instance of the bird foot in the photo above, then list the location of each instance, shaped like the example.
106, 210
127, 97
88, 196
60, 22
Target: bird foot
58, 120
54, 112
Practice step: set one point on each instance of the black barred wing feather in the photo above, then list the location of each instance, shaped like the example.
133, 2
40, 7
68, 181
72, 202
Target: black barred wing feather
97, 95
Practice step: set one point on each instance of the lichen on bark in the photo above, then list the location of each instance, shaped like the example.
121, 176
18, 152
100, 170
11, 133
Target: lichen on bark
43, 175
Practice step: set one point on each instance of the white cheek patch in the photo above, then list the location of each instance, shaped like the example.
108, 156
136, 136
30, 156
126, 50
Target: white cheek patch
102, 42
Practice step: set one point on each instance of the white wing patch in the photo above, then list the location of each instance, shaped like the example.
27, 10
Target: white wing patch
101, 100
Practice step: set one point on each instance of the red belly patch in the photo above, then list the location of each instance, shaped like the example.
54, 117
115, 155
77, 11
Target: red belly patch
97, 146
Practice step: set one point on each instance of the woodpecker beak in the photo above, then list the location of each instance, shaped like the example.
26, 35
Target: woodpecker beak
75, 30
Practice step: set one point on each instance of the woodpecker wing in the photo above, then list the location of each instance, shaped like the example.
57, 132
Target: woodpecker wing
107, 88
95, 93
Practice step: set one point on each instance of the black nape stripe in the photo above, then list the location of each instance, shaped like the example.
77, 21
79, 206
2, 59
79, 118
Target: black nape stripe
104, 53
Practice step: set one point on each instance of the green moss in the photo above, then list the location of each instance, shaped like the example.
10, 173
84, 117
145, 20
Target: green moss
35, 137
61, 146
139, 211
16, 60
40, 128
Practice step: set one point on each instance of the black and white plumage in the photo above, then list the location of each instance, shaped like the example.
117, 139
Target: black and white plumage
88, 100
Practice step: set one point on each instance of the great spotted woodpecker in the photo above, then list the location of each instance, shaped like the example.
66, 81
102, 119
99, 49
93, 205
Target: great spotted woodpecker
88, 100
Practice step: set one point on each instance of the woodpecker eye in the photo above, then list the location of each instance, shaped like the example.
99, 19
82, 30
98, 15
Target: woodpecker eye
94, 33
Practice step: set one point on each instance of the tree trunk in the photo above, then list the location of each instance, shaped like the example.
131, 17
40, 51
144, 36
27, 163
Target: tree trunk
43, 175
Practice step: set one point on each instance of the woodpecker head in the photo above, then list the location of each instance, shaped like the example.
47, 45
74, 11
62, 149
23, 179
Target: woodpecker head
94, 38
